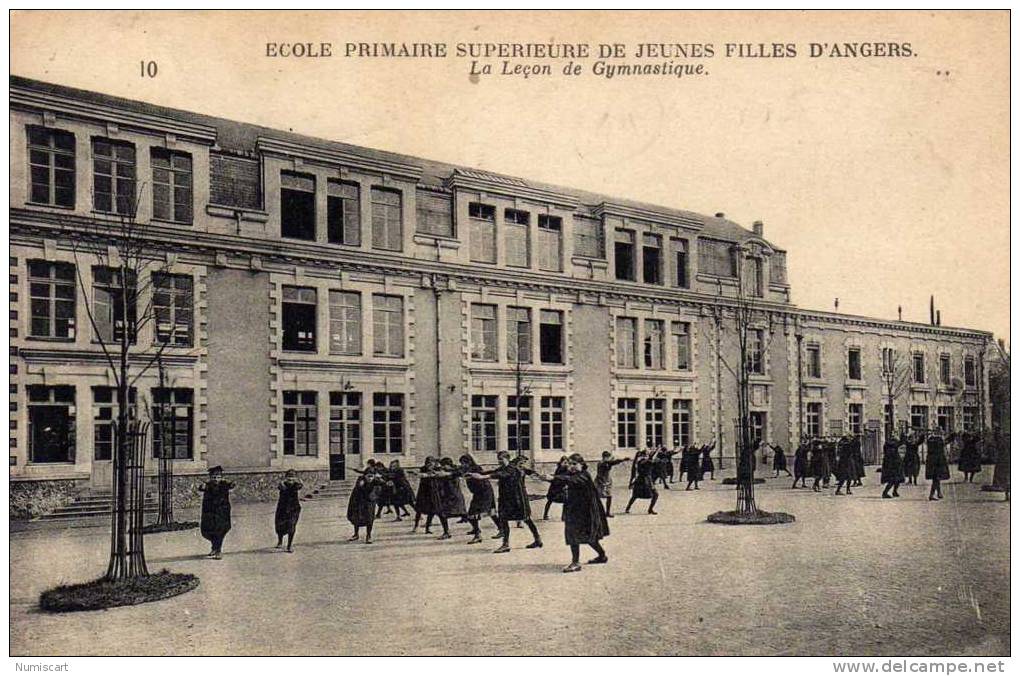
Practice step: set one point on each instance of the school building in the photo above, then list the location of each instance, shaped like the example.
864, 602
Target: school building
315, 304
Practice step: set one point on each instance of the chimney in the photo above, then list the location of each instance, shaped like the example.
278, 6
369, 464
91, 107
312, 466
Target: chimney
759, 228
837, 305
720, 214
938, 317
899, 311
931, 311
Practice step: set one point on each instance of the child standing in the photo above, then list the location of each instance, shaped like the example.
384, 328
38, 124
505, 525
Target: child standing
216, 510
288, 509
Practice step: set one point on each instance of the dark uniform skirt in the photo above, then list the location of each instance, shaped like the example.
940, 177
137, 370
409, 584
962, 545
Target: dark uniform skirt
557, 490
707, 464
483, 499
936, 466
911, 461
451, 498
362, 503
692, 465
288, 507
403, 494
216, 509
892, 465
583, 515
427, 501
779, 461
644, 487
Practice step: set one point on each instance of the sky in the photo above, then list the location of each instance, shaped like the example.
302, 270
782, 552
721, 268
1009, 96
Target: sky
886, 179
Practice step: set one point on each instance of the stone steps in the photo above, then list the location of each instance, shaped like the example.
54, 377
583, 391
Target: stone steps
333, 490
91, 504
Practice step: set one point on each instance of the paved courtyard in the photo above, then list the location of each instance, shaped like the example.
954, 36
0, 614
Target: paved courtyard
853, 576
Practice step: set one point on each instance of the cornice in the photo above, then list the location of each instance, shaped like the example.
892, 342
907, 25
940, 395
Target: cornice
375, 165
648, 215
27, 99
33, 355
476, 180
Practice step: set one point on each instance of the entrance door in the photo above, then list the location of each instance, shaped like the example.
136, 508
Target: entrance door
337, 467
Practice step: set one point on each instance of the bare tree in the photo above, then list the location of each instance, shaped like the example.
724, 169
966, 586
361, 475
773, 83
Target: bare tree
522, 388
896, 375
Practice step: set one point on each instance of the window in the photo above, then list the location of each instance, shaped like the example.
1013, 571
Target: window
387, 423
172, 422
919, 418
889, 419
945, 369
299, 310
483, 332
551, 423
173, 307
53, 296
626, 423
104, 415
855, 418
888, 360
171, 185
235, 181
716, 257
971, 415
919, 368
518, 335
626, 343
758, 427
344, 322
343, 213
813, 419
435, 213
51, 429
550, 243
681, 254
681, 332
969, 372
655, 412
483, 232
113, 176
297, 206
944, 419
624, 254
814, 360
388, 325
518, 423
653, 344
344, 422
387, 220
651, 259
589, 237
51, 166
682, 427
777, 268
550, 336
756, 351
516, 237
300, 423
853, 363
756, 277
483, 423
110, 300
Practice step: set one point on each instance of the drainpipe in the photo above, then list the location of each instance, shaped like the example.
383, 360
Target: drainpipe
800, 391
439, 381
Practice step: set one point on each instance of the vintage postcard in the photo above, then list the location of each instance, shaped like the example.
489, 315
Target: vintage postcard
505, 333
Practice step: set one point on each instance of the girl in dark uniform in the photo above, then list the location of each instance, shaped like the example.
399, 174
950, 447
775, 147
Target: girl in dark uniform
450, 497
426, 503
800, 466
584, 519
693, 464
936, 466
911, 459
403, 494
819, 464
483, 500
845, 470
216, 510
970, 457
385, 489
642, 487
603, 480
288, 509
557, 489
707, 464
666, 457
857, 458
779, 461
892, 469
512, 503
362, 504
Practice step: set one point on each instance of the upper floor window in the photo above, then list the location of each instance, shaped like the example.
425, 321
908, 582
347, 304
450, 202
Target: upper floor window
53, 294
969, 372
483, 332
299, 310
516, 232
651, 259
483, 232
113, 167
756, 277
344, 322
813, 352
589, 237
716, 257
171, 185
888, 360
173, 307
682, 255
853, 363
682, 345
297, 206
945, 369
518, 335
435, 213
626, 342
653, 344
387, 220
919, 368
756, 351
550, 335
550, 243
343, 209
51, 166
115, 304
388, 325
623, 251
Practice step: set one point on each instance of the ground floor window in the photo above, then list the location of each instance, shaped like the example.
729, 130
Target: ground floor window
855, 418
387, 423
483, 423
970, 418
51, 416
104, 416
944, 419
758, 427
682, 423
344, 422
172, 422
518, 424
626, 423
919, 418
300, 423
551, 427
813, 420
655, 413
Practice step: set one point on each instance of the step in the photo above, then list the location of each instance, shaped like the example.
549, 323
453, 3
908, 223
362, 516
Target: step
85, 514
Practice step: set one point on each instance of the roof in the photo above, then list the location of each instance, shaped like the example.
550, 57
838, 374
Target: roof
240, 137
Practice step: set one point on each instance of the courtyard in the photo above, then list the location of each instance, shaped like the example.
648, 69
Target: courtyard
852, 576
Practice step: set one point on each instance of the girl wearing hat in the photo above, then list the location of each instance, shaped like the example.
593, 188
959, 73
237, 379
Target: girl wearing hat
583, 515
288, 509
216, 510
